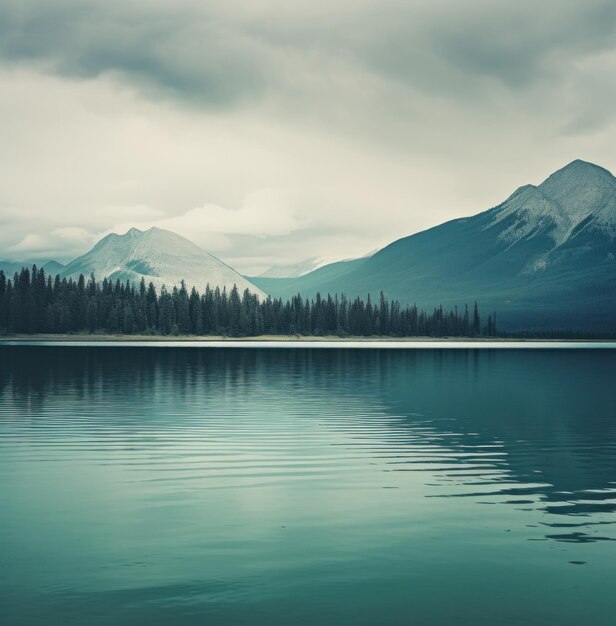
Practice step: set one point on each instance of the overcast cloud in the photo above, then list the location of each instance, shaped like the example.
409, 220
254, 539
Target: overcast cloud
269, 131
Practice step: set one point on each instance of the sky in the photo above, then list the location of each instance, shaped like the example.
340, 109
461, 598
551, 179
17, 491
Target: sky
271, 131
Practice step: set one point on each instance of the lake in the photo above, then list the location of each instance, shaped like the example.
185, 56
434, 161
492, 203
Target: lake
177, 485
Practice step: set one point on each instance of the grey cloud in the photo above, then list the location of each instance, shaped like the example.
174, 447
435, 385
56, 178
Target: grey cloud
520, 43
187, 55
206, 53
463, 50
382, 116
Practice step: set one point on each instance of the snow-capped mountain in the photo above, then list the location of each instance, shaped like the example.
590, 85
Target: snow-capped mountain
579, 196
544, 257
158, 256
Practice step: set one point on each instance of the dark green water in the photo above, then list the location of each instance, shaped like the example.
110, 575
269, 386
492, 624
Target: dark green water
281, 487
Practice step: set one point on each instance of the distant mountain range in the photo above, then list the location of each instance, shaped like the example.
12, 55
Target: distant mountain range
10, 267
293, 270
544, 258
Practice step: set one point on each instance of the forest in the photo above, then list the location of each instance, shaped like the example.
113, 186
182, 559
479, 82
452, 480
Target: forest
33, 302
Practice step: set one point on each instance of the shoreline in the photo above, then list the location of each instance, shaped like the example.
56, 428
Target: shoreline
291, 341
281, 338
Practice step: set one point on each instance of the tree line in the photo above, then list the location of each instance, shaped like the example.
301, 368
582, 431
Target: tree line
32, 302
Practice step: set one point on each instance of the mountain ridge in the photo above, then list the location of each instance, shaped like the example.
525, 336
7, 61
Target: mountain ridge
11, 267
544, 256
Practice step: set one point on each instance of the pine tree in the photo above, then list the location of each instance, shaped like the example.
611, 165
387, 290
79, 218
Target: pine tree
476, 321
32, 302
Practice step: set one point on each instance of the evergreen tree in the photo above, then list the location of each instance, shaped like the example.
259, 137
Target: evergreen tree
476, 321
32, 302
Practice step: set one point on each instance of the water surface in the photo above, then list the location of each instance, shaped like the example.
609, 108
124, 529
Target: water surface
251, 486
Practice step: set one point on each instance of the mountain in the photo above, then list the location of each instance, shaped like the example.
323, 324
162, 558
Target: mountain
307, 284
544, 258
158, 256
293, 270
308, 266
11, 267
53, 267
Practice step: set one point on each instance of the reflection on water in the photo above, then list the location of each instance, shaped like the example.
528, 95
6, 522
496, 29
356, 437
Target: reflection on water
150, 485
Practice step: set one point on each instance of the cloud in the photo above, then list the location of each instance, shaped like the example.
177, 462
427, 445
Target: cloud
186, 53
262, 213
273, 129
36, 245
222, 54
30, 243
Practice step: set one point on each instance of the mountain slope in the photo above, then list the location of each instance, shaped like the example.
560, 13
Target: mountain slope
11, 267
306, 283
293, 270
546, 257
158, 256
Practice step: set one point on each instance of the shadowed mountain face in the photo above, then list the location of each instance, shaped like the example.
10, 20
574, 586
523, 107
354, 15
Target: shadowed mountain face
158, 256
546, 257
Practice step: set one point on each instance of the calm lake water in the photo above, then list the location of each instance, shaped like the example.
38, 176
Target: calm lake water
282, 487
